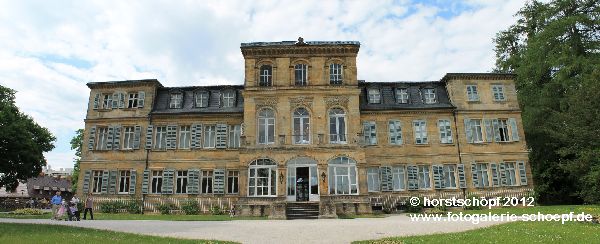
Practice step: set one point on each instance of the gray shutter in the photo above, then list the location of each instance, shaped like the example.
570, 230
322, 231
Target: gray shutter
105, 176
109, 140
145, 182
171, 136
167, 186
115, 101
112, 182
219, 181
462, 179
522, 172
121, 100
412, 177
513, 128
196, 136
132, 182
496, 126
137, 134
221, 136
386, 178
149, 137
437, 176
495, 178
503, 180
193, 181
96, 100
92, 138
141, 98
117, 138
489, 132
468, 130
474, 174
86, 181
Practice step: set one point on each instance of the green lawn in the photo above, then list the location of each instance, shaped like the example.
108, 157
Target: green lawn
555, 209
35, 233
126, 216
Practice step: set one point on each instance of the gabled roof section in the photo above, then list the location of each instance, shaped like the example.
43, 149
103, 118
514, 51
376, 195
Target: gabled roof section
415, 99
92, 85
161, 104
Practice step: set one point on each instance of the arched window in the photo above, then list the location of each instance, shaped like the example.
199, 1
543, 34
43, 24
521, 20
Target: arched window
342, 176
335, 74
301, 126
262, 178
228, 99
202, 98
337, 126
176, 100
266, 76
266, 126
301, 74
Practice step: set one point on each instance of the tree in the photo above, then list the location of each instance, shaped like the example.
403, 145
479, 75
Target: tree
554, 48
76, 144
22, 143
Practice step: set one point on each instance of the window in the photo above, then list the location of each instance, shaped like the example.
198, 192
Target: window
370, 132
210, 138
206, 184
181, 179
176, 100
301, 74
374, 95
398, 178
342, 176
511, 178
202, 99
265, 76
337, 126
445, 131
184, 137
335, 74
107, 102
395, 135
157, 181
262, 178
235, 131
228, 99
102, 138
420, 128
161, 138
266, 126
232, 181
498, 92
373, 179
472, 94
482, 173
429, 95
97, 181
124, 181
301, 126
402, 95
501, 126
476, 134
132, 102
448, 176
424, 179
128, 137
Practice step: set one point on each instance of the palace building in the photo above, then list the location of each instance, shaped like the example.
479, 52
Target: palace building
303, 137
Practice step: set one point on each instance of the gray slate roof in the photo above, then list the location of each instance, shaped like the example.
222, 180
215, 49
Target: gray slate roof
388, 97
161, 103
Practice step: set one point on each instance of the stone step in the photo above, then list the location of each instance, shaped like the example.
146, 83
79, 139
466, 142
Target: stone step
302, 211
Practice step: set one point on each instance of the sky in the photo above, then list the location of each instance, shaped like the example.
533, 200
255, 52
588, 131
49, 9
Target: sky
49, 50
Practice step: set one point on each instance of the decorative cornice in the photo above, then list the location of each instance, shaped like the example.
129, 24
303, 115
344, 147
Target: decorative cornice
301, 101
336, 101
270, 51
265, 102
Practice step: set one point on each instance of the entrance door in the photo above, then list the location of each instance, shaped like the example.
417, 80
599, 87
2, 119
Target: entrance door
302, 184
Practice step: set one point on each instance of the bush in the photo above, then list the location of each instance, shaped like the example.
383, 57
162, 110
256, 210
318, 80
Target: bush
134, 207
190, 207
112, 206
28, 211
415, 209
472, 197
166, 208
216, 210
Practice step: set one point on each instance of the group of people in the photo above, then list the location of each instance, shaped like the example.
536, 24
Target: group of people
69, 209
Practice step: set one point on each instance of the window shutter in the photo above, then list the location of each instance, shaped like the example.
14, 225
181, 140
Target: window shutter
522, 172
373, 131
496, 126
105, 176
96, 100
115, 101
386, 178
121, 100
117, 138
149, 137
92, 138
495, 178
109, 140
86, 181
221, 136
412, 177
219, 181
513, 128
196, 132
145, 180
489, 132
193, 182
171, 136
503, 180
437, 176
137, 137
462, 179
468, 130
141, 98
112, 182
132, 182
474, 173
167, 186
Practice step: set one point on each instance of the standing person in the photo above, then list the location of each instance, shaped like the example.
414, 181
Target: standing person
89, 204
56, 201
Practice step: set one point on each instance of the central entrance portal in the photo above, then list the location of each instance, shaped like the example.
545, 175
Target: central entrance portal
302, 180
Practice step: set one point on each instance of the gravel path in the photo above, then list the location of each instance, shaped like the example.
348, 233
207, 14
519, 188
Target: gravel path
275, 231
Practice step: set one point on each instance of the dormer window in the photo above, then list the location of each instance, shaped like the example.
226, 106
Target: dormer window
429, 96
202, 99
301, 74
176, 100
228, 99
374, 95
335, 74
498, 92
402, 95
266, 76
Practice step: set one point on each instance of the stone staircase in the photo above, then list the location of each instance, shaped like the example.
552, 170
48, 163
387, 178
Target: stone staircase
305, 210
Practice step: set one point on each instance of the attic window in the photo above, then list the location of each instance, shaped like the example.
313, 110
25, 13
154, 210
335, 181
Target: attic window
402, 95
374, 95
176, 100
228, 99
202, 99
429, 96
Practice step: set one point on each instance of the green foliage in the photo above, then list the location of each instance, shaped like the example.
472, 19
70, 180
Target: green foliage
22, 143
134, 207
415, 209
166, 208
190, 207
76, 144
28, 211
553, 48
112, 206
216, 210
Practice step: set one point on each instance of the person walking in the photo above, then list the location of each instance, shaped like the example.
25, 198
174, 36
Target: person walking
56, 201
89, 204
